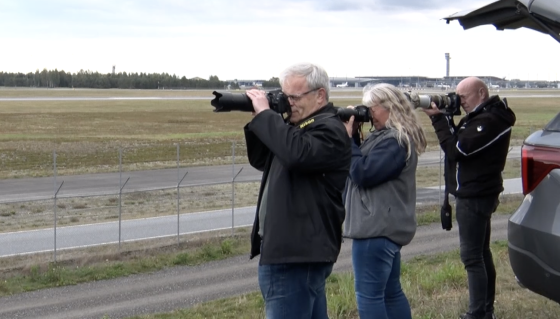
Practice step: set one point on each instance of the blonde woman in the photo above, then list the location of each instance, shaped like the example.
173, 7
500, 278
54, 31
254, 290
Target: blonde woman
380, 200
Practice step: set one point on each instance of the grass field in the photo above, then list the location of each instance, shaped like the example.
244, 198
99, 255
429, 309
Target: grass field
87, 134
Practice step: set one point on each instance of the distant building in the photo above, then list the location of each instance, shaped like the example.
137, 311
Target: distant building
413, 82
243, 84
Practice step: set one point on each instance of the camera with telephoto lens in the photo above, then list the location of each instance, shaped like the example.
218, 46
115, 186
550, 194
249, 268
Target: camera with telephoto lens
360, 112
447, 103
227, 101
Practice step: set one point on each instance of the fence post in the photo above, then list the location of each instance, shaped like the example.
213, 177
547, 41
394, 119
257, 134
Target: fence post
54, 208
120, 195
232, 185
233, 188
54, 189
440, 160
120, 188
179, 181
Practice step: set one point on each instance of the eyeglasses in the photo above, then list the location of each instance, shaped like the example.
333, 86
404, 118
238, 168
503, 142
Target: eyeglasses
296, 97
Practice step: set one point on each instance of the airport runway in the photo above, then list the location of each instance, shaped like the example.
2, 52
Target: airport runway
357, 95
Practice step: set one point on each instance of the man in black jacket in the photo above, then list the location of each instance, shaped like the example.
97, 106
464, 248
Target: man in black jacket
298, 223
476, 151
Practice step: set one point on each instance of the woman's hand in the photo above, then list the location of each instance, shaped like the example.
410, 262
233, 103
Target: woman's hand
351, 127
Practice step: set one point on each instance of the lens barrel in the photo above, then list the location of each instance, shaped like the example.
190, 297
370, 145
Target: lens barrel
360, 113
227, 101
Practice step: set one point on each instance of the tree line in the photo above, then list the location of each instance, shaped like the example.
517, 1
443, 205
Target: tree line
121, 80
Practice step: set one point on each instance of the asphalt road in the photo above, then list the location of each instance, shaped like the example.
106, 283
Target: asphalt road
182, 287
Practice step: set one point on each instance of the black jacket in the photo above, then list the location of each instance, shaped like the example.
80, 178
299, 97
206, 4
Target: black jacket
476, 149
307, 165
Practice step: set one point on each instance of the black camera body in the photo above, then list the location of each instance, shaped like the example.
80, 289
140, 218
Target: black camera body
449, 104
361, 114
227, 101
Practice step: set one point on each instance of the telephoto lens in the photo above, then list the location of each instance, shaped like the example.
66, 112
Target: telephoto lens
360, 112
448, 103
227, 102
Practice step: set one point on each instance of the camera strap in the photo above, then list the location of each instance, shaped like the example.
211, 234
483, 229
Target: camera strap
446, 212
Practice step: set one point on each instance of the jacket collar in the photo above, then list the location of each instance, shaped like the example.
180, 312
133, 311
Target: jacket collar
327, 108
491, 102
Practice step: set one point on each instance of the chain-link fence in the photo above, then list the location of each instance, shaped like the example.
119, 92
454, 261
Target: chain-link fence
169, 181
135, 200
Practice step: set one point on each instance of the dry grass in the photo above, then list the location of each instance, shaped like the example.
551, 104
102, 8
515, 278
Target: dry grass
87, 134
97, 209
430, 176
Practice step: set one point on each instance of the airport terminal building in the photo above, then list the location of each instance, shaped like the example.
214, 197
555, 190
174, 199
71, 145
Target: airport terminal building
412, 82
418, 82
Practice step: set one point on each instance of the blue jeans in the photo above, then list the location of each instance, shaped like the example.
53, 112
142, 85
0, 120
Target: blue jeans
294, 291
377, 268
473, 218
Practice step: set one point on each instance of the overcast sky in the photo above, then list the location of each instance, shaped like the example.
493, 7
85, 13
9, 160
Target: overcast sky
246, 39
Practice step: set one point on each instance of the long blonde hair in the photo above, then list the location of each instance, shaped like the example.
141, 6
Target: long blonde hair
402, 117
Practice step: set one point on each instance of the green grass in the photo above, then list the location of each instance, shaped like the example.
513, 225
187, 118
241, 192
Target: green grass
113, 265
436, 287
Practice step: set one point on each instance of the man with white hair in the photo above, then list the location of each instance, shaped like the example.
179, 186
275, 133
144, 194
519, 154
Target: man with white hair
298, 222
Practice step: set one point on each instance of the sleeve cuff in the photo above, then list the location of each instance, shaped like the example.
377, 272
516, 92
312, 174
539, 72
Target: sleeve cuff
436, 117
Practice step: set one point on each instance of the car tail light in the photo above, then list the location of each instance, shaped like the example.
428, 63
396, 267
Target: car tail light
536, 163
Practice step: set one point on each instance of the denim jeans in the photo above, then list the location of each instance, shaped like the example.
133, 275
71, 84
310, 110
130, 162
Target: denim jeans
473, 218
377, 268
293, 291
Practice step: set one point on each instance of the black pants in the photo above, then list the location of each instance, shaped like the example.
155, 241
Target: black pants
473, 217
